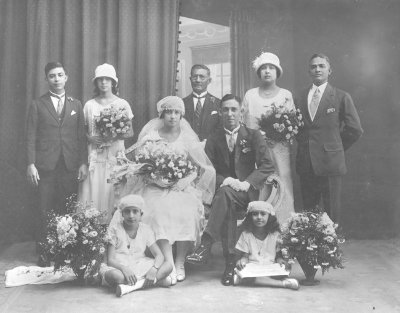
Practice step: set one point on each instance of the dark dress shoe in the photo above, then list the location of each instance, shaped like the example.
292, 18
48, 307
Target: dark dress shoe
43, 261
227, 277
200, 256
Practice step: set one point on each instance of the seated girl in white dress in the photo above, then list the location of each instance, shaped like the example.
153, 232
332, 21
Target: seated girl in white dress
127, 267
259, 249
174, 212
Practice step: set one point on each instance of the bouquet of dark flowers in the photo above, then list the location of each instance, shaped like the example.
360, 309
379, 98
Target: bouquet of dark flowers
76, 240
312, 238
113, 123
163, 165
281, 124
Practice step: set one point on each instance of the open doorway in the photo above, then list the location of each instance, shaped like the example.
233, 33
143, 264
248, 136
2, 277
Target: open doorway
204, 43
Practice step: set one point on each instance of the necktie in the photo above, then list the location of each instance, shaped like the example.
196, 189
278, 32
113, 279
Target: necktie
197, 114
314, 103
60, 104
231, 139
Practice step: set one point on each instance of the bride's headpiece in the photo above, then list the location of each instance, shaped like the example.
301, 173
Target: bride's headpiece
170, 103
268, 58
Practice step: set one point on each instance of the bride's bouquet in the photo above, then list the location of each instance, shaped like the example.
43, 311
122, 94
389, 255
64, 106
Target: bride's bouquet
281, 124
113, 123
76, 240
163, 165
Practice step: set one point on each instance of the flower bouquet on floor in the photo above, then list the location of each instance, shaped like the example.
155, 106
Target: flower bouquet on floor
163, 165
113, 123
312, 238
280, 124
76, 240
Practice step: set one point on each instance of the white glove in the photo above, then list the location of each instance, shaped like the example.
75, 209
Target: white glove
228, 182
236, 184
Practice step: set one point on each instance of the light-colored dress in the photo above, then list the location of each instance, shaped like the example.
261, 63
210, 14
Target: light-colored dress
173, 215
130, 252
96, 188
254, 106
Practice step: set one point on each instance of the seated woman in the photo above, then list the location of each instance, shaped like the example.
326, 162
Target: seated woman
260, 260
127, 267
175, 210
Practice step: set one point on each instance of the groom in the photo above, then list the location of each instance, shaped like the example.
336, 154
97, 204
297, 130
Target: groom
56, 147
241, 160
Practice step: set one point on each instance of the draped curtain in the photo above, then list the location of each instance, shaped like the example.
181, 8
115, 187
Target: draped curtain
138, 37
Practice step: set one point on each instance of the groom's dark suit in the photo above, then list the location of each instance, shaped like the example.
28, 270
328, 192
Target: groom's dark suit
249, 162
56, 145
209, 118
320, 160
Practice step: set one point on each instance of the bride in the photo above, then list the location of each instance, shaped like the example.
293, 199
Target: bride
175, 213
258, 101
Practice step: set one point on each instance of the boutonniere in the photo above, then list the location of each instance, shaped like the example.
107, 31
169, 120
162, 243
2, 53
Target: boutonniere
212, 99
245, 146
70, 99
330, 110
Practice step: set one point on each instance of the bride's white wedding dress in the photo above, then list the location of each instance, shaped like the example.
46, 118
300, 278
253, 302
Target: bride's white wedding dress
254, 106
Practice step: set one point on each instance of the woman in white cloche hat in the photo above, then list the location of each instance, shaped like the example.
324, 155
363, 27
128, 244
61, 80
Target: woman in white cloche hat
258, 101
103, 148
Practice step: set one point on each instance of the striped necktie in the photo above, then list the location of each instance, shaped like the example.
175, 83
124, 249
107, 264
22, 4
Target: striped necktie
314, 103
197, 113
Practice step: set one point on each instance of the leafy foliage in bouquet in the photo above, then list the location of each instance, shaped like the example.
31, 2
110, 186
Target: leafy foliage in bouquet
76, 240
113, 122
163, 165
312, 237
281, 124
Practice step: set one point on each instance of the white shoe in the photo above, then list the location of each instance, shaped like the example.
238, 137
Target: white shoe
180, 272
236, 279
173, 277
291, 283
123, 290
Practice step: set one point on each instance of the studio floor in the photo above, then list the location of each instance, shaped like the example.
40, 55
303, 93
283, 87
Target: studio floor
370, 282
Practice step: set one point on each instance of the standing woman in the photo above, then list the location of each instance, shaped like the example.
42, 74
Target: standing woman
102, 151
260, 100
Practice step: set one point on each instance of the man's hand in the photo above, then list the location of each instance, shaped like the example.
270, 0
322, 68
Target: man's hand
32, 175
82, 172
129, 276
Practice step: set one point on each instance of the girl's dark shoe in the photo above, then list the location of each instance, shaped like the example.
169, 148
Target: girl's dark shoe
227, 277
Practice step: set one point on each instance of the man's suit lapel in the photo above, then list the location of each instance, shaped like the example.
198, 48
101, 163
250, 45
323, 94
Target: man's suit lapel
324, 102
223, 145
50, 107
67, 109
242, 134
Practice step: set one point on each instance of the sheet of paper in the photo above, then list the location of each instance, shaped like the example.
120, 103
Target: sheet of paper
258, 270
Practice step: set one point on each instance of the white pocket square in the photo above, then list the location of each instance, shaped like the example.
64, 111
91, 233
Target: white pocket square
214, 112
73, 112
331, 110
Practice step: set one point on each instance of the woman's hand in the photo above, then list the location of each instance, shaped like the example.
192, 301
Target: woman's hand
184, 182
150, 277
129, 275
95, 140
241, 263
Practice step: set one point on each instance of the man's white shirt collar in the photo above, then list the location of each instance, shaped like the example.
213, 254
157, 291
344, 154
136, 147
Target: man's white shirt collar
195, 95
54, 99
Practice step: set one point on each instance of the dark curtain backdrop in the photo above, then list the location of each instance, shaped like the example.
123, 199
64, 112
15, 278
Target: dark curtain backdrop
139, 37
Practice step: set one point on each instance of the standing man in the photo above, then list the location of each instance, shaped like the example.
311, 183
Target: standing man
56, 147
201, 107
242, 164
331, 126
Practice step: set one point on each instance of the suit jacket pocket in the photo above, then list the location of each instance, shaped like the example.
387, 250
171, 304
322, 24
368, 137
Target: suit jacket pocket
332, 147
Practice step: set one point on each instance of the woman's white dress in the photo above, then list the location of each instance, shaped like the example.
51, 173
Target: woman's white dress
96, 188
254, 106
173, 215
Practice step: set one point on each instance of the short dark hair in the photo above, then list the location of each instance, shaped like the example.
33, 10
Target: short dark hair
230, 96
200, 66
51, 65
114, 88
320, 55
272, 225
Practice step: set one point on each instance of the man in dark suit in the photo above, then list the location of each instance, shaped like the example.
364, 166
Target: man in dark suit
331, 126
201, 108
56, 146
242, 163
